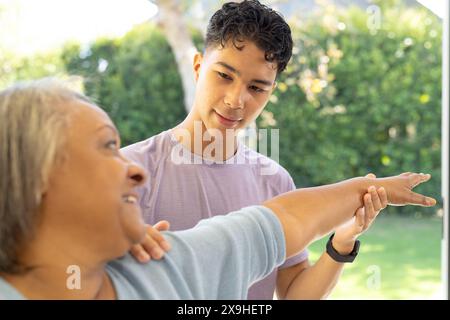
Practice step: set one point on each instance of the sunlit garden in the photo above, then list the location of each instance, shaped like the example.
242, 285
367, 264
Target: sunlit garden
353, 100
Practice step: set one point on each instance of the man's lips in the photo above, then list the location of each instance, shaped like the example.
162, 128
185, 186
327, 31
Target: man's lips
228, 118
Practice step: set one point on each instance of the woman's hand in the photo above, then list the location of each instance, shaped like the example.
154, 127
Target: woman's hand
399, 189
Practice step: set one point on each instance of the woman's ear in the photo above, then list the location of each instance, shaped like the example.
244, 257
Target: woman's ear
52, 174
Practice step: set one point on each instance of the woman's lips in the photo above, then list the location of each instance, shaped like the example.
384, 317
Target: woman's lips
226, 121
130, 198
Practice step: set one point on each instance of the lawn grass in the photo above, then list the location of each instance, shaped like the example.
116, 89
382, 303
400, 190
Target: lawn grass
403, 253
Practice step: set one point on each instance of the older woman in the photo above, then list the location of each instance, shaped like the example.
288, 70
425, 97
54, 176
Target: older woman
68, 202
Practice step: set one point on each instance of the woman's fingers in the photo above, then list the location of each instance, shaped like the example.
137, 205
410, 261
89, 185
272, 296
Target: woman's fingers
418, 178
421, 200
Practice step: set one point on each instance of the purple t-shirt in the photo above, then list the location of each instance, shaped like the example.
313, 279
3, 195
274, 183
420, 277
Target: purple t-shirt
183, 189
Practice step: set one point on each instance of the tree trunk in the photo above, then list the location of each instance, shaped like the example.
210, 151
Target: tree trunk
172, 22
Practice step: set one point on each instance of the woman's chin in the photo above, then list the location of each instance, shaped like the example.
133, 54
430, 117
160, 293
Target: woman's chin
134, 227
136, 234
140, 235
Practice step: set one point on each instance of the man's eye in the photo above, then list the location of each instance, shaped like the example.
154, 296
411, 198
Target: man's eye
224, 75
256, 89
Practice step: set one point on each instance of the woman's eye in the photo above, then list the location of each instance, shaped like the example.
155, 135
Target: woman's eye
112, 145
224, 75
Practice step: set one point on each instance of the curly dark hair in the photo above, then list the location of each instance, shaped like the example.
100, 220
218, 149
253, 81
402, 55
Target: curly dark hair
252, 21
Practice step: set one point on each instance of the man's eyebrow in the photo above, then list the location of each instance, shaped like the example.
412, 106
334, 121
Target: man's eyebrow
230, 68
226, 65
264, 82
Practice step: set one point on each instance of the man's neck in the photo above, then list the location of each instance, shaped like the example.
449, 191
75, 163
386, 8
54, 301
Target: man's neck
217, 145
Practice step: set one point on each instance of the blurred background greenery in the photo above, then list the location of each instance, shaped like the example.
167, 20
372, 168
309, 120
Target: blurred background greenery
352, 101
399, 259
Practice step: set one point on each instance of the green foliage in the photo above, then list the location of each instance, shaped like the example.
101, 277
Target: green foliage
392, 263
14, 68
135, 80
352, 102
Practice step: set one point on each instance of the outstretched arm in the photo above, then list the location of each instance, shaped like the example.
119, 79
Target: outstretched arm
310, 213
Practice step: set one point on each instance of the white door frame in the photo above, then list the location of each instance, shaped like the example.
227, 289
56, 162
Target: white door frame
445, 148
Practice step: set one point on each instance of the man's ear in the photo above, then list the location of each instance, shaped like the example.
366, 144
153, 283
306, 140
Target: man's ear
274, 86
198, 59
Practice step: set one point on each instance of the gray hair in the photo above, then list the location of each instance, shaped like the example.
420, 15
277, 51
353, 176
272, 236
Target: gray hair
33, 118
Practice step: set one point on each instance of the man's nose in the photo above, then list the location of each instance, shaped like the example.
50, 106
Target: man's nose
235, 97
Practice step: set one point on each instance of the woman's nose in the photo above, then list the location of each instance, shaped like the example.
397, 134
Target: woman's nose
137, 174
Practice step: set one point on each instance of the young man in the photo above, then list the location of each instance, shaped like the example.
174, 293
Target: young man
247, 46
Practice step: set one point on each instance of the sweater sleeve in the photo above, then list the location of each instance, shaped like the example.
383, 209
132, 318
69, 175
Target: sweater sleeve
221, 257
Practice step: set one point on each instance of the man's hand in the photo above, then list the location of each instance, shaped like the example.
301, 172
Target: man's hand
345, 236
154, 245
399, 189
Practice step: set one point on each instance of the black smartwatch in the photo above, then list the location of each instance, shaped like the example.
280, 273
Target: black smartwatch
336, 256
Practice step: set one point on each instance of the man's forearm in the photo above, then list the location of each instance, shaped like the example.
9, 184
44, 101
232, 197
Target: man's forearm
317, 281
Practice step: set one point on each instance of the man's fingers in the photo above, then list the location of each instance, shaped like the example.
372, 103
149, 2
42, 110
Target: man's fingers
158, 237
421, 200
371, 175
369, 211
152, 247
139, 253
162, 225
359, 219
375, 199
383, 197
154, 233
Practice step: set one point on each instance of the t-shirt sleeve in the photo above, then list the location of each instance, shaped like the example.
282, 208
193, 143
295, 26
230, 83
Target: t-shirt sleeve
221, 257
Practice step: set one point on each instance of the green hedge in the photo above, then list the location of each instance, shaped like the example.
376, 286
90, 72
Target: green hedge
350, 102
135, 79
354, 102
